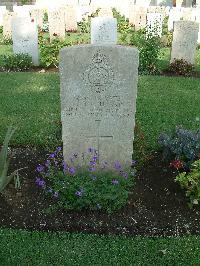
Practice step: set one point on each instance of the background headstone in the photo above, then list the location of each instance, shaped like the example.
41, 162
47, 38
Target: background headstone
7, 27
37, 15
56, 18
2, 12
25, 38
138, 17
103, 30
105, 12
98, 100
22, 11
154, 24
175, 14
71, 18
184, 42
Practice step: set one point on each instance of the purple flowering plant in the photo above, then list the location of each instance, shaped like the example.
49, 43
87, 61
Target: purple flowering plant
94, 186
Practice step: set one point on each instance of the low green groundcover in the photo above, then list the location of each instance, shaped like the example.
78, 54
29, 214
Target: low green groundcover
39, 248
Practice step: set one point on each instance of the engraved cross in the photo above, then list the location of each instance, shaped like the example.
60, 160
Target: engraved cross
99, 137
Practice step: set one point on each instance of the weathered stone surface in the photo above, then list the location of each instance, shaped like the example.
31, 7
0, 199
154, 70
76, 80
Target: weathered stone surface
184, 43
2, 12
7, 28
71, 18
98, 100
37, 15
103, 30
138, 16
105, 12
25, 38
22, 11
56, 18
175, 14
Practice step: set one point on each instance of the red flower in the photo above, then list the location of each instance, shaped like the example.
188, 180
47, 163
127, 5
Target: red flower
32, 20
55, 34
176, 164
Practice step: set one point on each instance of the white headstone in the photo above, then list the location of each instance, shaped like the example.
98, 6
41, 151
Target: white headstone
184, 42
105, 12
37, 15
154, 24
2, 12
71, 18
56, 18
25, 38
7, 28
175, 14
22, 11
98, 100
103, 30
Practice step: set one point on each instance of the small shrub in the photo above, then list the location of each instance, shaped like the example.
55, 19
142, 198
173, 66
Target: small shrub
122, 24
191, 183
184, 145
16, 62
84, 26
94, 187
181, 67
149, 49
49, 51
1, 29
7, 41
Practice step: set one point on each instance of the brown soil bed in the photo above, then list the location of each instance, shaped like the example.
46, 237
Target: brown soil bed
157, 206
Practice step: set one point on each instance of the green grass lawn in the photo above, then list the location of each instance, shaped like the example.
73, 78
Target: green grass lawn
34, 249
31, 101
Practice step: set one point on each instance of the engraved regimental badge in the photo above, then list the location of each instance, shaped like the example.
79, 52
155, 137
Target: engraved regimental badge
99, 75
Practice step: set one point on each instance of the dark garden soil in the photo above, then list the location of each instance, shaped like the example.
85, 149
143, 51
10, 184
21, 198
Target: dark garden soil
194, 74
157, 206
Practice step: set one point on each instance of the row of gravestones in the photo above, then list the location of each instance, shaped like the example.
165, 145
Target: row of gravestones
65, 18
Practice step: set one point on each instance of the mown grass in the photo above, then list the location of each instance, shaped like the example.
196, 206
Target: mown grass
31, 101
34, 248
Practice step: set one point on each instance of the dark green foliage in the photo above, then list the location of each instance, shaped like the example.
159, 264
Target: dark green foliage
16, 62
183, 145
20, 247
45, 18
1, 29
190, 182
84, 26
181, 67
149, 49
94, 186
6, 41
49, 51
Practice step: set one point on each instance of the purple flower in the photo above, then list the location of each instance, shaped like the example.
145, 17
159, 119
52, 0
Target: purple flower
59, 149
72, 170
79, 193
55, 194
90, 149
95, 158
92, 169
117, 165
92, 163
52, 155
125, 175
40, 168
115, 182
65, 167
40, 182
47, 163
